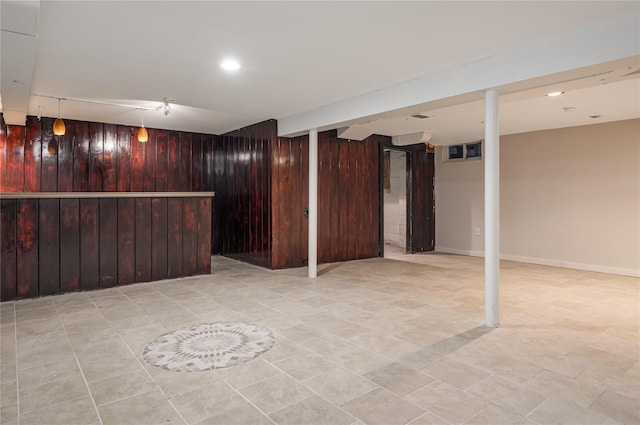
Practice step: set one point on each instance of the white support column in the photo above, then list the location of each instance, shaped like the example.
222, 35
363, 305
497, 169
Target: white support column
491, 209
313, 203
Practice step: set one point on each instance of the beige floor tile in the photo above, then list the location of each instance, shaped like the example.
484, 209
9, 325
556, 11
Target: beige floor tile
57, 351
560, 386
313, 410
381, 407
147, 408
507, 367
51, 393
245, 414
8, 393
455, 373
428, 419
555, 410
9, 415
275, 393
110, 366
8, 372
247, 373
340, 385
177, 383
448, 402
121, 386
507, 395
493, 415
399, 378
305, 366
203, 403
283, 349
42, 374
301, 333
565, 334
77, 411
92, 351
621, 408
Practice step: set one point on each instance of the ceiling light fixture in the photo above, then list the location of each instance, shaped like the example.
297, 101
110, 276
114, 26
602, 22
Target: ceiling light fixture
143, 135
555, 93
58, 125
230, 65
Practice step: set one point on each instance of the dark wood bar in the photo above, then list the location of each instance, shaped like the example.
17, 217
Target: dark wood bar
54, 242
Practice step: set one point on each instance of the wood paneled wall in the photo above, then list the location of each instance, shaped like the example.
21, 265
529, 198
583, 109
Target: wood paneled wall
242, 175
60, 245
96, 157
423, 225
348, 199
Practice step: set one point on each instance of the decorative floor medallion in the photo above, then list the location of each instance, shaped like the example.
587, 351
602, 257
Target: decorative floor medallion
208, 346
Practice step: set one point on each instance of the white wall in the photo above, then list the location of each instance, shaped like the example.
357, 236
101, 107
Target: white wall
395, 202
569, 197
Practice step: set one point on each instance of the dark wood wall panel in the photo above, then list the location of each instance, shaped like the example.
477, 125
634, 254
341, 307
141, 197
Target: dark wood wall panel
60, 245
8, 249
173, 183
109, 158
159, 232
197, 163
162, 164
241, 164
70, 245
184, 184
12, 153
348, 199
204, 235
32, 156
108, 242
123, 151
143, 239
27, 248
174, 240
89, 244
189, 236
49, 178
97, 157
149, 168
65, 158
137, 163
126, 241
49, 246
423, 223
81, 157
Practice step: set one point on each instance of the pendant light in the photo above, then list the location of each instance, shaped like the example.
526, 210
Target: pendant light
58, 125
143, 136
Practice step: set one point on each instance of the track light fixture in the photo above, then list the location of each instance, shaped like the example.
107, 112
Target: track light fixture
143, 135
59, 128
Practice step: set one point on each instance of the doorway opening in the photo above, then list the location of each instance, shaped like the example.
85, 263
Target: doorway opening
394, 201
407, 202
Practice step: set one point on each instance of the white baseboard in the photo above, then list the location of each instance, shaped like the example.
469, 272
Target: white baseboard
459, 251
548, 262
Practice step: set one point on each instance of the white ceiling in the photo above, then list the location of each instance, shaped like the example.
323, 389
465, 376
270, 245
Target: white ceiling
301, 56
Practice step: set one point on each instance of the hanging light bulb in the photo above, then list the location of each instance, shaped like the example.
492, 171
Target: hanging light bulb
58, 125
143, 136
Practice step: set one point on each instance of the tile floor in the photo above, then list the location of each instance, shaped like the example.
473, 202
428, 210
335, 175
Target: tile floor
377, 341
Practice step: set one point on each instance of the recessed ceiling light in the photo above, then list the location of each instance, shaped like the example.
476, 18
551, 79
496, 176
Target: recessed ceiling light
230, 65
555, 93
